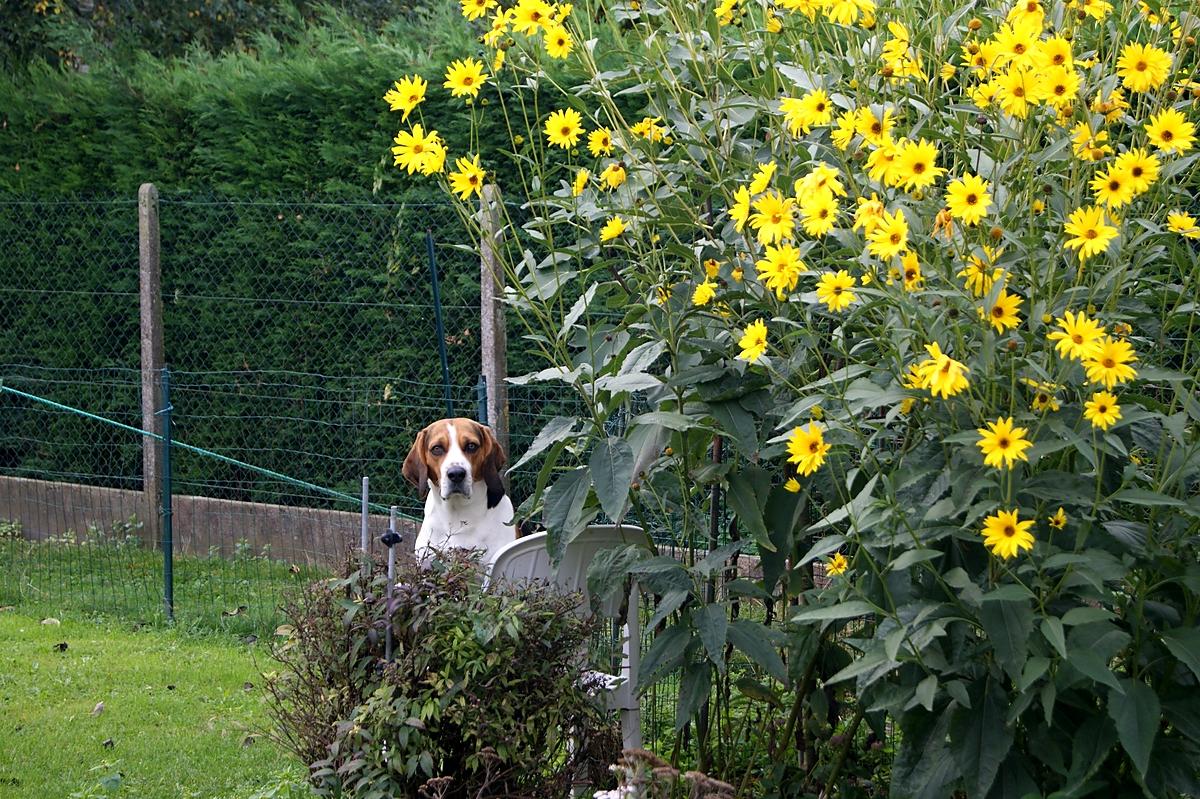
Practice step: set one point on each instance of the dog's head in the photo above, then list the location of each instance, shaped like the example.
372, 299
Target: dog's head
453, 455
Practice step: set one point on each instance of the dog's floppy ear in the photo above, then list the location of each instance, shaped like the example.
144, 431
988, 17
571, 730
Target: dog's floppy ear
493, 466
415, 470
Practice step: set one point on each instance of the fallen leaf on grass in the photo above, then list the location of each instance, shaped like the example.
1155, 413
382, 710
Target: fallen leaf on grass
51, 621
98, 709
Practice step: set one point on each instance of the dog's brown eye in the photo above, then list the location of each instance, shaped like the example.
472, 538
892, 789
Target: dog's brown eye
438, 449
471, 447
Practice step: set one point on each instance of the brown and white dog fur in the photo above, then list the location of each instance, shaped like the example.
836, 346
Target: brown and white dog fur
455, 465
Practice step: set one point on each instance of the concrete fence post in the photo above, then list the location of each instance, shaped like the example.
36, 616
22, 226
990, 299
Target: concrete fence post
150, 293
492, 337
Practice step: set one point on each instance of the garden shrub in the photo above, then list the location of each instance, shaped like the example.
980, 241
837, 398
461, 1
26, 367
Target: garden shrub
910, 288
483, 696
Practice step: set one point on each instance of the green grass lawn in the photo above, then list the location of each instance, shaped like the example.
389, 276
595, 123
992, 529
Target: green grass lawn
124, 581
183, 715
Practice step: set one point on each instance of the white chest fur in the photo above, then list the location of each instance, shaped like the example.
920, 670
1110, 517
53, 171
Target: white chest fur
465, 522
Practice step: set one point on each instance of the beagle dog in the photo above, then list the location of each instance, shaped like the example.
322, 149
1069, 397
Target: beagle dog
455, 465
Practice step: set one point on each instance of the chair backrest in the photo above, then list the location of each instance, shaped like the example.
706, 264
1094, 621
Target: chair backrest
527, 559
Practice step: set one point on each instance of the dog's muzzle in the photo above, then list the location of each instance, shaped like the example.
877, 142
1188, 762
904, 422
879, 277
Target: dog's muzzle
456, 482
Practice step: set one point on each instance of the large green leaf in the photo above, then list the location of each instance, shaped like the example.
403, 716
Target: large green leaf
557, 429
842, 610
694, 687
737, 423
1136, 713
1008, 625
981, 737
712, 623
564, 510
664, 654
612, 473
755, 640
1184, 643
748, 492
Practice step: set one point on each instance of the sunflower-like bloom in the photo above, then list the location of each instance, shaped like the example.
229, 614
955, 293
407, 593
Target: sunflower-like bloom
1002, 444
1170, 131
780, 268
563, 128
1003, 313
1079, 337
807, 448
1143, 67
916, 165
833, 289
837, 565
612, 228
1089, 233
1005, 535
941, 374
890, 236
406, 95
464, 78
600, 142
1059, 520
968, 199
773, 217
468, 179
753, 342
1102, 410
1110, 363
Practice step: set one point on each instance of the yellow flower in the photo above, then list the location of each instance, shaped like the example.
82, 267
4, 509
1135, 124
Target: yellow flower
968, 199
1183, 224
754, 341
773, 23
1143, 67
821, 178
1090, 235
881, 163
876, 129
911, 272
1043, 395
780, 268
906, 405
1096, 9
941, 374
773, 217
497, 61
947, 72
1060, 87
804, 113
614, 227
837, 565
563, 128
600, 142
468, 179
474, 9
1003, 314
1016, 43
915, 166
737, 273
581, 181
1018, 89
762, 178
1113, 187
613, 175
868, 214
530, 16
649, 129
833, 289
847, 12
1059, 520
1110, 364
407, 95
1080, 337
704, 293
807, 448
464, 78
740, 211
1170, 131
844, 130
1054, 51
1005, 535
1140, 168
711, 267
500, 21
818, 212
1102, 410
980, 276
890, 236
1002, 444
792, 485
414, 148
558, 42
724, 11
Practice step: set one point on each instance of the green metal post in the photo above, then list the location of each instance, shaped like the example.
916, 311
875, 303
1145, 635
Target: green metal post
481, 400
437, 315
168, 545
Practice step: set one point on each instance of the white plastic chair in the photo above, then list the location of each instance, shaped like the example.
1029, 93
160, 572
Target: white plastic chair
526, 559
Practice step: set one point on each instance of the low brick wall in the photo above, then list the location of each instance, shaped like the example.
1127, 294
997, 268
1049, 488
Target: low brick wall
200, 525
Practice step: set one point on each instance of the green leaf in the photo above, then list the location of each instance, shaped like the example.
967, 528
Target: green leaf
1184, 643
1135, 712
737, 423
925, 691
1086, 615
913, 556
1008, 625
1052, 629
670, 602
1093, 666
668, 419
823, 547
982, 739
756, 690
557, 429
1141, 496
694, 689
665, 652
712, 623
754, 640
842, 610
564, 510
748, 491
612, 473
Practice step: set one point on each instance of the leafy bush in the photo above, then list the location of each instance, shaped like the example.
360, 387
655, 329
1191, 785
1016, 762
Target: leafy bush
483, 696
912, 287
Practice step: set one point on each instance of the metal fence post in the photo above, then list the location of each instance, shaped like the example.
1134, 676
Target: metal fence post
390, 539
493, 340
150, 300
441, 327
168, 543
366, 515
481, 403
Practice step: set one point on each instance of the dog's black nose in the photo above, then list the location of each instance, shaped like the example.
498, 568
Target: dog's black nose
457, 474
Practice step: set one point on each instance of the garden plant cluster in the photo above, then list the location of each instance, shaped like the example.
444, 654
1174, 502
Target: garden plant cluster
912, 288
